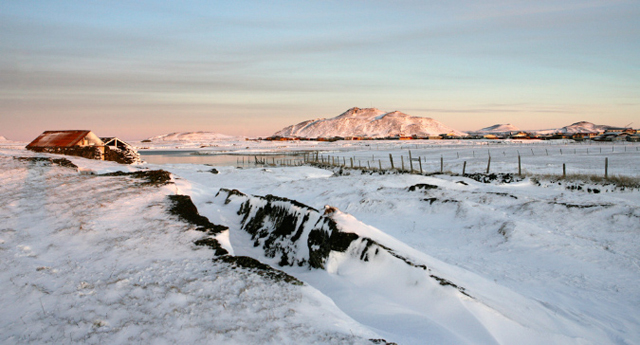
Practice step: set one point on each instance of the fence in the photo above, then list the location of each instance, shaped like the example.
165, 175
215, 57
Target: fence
562, 160
544, 161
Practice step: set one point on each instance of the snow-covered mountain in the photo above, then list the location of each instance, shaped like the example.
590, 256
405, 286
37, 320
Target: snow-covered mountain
498, 129
578, 127
367, 122
3, 139
200, 136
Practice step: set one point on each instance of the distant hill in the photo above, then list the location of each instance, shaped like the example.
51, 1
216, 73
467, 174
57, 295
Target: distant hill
3, 139
578, 127
191, 137
498, 129
367, 122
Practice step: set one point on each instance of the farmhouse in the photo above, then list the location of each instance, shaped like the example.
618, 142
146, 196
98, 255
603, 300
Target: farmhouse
74, 143
84, 143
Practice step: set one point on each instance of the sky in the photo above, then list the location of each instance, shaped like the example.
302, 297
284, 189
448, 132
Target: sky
136, 69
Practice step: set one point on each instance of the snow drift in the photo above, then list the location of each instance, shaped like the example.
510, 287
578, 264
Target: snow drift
92, 259
382, 282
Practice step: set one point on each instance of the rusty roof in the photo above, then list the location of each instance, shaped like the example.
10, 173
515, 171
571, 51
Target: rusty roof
58, 138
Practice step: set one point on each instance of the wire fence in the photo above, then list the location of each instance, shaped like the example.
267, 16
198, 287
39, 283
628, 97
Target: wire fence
622, 159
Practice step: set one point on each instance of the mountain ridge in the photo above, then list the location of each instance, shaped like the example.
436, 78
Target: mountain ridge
367, 122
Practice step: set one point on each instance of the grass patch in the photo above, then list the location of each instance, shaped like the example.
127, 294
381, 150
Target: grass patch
622, 182
150, 177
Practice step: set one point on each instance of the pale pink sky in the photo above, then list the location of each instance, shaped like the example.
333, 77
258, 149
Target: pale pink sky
139, 69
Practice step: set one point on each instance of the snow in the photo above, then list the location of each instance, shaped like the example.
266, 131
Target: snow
578, 127
98, 259
95, 259
554, 277
368, 122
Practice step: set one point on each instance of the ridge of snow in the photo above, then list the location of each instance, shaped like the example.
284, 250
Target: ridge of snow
367, 122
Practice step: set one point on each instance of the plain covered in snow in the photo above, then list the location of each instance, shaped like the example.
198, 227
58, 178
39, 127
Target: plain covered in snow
99, 259
418, 259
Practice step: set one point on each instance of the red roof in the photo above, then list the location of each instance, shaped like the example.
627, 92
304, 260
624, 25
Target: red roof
58, 139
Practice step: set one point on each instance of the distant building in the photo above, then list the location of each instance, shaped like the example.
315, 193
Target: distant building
584, 136
519, 135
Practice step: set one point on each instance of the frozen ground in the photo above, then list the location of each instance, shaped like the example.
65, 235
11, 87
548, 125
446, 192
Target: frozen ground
540, 262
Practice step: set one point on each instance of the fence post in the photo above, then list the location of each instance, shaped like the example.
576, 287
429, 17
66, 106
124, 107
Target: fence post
402, 160
606, 167
420, 162
564, 170
464, 167
488, 164
351, 158
519, 167
380, 162
391, 160
410, 161
441, 164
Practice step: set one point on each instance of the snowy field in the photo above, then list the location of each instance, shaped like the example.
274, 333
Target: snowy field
536, 156
439, 259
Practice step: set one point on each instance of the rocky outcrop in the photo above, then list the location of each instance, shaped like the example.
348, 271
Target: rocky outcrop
295, 234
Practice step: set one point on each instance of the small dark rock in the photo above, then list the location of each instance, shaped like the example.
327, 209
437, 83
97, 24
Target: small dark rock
258, 267
424, 186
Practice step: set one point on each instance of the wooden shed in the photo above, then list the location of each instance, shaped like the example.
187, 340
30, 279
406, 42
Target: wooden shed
120, 151
115, 142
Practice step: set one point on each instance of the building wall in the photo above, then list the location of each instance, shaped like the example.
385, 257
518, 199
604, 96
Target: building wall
90, 152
